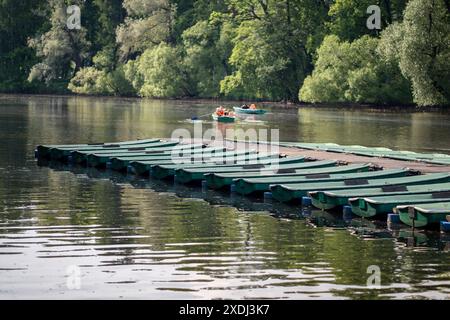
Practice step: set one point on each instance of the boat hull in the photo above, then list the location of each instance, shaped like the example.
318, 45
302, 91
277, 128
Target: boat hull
286, 193
223, 119
249, 111
219, 180
371, 207
196, 175
61, 152
418, 219
258, 185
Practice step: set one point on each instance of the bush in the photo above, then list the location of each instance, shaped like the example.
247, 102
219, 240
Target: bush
90, 81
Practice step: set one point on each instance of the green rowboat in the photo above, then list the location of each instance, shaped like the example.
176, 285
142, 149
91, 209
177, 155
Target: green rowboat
220, 180
121, 163
43, 151
91, 159
226, 119
331, 199
259, 185
80, 156
95, 160
424, 215
144, 167
291, 192
249, 111
187, 175
373, 206
244, 163
62, 154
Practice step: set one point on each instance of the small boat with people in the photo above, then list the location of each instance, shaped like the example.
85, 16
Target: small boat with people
223, 115
252, 109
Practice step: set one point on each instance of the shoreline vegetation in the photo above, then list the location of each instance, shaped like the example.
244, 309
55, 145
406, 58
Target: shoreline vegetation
283, 52
230, 102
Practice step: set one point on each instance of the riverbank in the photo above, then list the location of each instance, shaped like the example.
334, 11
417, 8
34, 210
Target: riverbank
231, 102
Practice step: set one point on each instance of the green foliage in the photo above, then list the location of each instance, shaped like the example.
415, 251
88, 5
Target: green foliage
158, 73
132, 75
119, 83
253, 49
18, 20
106, 58
62, 51
354, 72
207, 47
421, 45
104, 18
148, 24
270, 56
257, 64
89, 81
93, 81
349, 16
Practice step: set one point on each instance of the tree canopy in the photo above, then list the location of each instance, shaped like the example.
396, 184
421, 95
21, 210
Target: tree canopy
279, 50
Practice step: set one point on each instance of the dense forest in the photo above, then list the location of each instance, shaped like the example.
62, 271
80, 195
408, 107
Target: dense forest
278, 50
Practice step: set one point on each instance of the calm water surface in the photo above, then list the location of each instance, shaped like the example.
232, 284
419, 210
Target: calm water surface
78, 233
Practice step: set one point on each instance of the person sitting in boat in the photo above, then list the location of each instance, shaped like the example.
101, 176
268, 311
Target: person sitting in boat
244, 106
253, 106
220, 111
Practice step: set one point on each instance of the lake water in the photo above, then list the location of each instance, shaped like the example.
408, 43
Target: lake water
90, 234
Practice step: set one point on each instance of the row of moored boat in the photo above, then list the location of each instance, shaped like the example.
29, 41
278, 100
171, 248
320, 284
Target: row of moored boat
416, 200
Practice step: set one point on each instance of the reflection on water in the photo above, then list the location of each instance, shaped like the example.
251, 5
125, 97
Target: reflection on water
133, 238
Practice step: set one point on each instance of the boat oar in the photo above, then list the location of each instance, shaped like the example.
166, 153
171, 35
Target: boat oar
198, 117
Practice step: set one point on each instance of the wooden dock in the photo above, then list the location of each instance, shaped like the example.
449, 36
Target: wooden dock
384, 163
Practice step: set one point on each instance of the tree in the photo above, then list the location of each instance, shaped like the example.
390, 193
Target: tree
62, 51
148, 24
421, 45
207, 47
270, 55
19, 19
348, 17
353, 72
109, 14
158, 73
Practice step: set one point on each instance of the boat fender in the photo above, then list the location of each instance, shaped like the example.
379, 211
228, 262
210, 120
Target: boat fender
393, 218
204, 184
130, 169
70, 158
347, 213
445, 226
36, 153
306, 202
233, 188
268, 195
